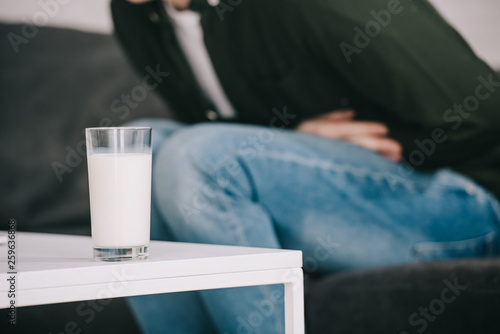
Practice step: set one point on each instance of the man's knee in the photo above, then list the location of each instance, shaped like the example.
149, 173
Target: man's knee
200, 158
186, 152
158, 124
142, 122
207, 145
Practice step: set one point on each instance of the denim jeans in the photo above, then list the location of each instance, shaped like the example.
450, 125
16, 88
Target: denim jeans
345, 207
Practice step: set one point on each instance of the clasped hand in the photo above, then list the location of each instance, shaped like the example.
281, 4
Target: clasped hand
341, 125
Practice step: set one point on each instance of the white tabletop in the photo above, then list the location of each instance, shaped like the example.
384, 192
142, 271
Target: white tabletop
50, 261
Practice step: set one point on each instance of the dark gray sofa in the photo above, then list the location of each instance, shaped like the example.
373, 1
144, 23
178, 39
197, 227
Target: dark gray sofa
62, 81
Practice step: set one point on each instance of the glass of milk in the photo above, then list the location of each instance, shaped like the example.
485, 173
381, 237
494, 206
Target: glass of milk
119, 165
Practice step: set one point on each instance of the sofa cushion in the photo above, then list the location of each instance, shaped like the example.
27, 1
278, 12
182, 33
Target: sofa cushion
459, 296
58, 83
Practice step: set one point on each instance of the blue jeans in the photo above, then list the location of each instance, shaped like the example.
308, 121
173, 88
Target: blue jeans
345, 207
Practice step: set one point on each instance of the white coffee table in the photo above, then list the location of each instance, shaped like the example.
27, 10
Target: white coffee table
59, 268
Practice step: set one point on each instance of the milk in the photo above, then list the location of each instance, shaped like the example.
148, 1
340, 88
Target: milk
120, 199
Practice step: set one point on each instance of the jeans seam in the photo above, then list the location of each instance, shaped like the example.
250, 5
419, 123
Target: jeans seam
486, 241
410, 184
455, 244
338, 168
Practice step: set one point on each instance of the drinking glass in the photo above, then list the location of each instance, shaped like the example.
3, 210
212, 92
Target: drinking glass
119, 168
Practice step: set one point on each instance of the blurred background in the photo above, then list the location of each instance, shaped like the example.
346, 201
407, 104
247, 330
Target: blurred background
66, 74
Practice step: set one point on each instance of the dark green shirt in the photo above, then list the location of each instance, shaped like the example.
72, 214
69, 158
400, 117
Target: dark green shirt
283, 61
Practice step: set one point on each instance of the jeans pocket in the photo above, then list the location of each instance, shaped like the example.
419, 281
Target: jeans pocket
484, 245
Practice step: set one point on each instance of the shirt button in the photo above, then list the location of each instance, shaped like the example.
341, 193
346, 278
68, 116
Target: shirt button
213, 3
154, 17
211, 115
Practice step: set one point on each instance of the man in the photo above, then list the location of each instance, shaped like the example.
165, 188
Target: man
366, 128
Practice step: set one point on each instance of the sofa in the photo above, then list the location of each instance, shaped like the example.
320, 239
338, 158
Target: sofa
61, 81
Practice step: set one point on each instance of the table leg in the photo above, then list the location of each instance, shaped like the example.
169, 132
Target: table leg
294, 303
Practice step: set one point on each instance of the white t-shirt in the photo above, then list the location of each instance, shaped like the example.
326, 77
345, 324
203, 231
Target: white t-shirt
190, 35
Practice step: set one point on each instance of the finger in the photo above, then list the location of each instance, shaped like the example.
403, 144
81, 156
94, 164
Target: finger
387, 147
349, 129
339, 115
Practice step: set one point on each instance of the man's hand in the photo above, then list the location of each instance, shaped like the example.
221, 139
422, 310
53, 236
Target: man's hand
340, 125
